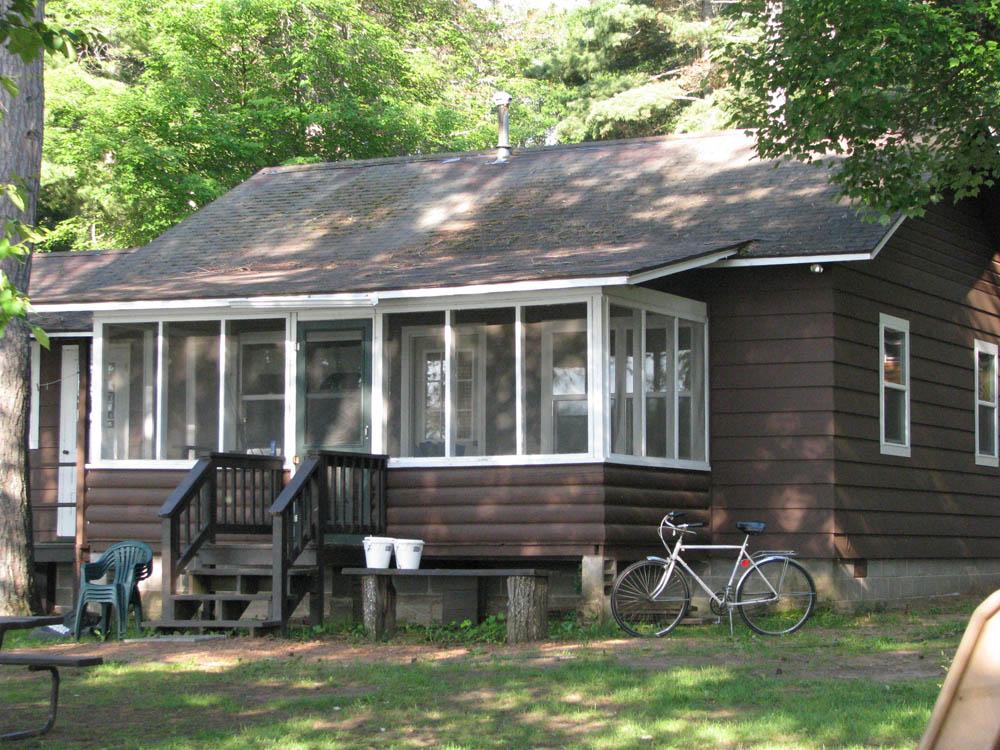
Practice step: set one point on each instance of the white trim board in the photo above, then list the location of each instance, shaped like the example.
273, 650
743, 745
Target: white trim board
34, 395
371, 299
788, 260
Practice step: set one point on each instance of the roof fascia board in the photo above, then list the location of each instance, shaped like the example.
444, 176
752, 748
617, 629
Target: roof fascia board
809, 259
68, 334
888, 235
232, 303
504, 288
685, 265
299, 302
790, 260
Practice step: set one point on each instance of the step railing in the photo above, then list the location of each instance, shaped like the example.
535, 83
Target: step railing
223, 493
333, 492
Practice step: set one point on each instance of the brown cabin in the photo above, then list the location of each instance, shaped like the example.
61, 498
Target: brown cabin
533, 358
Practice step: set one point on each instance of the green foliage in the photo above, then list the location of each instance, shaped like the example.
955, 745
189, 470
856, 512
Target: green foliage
908, 92
626, 68
170, 104
25, 37
184, 101
492, 629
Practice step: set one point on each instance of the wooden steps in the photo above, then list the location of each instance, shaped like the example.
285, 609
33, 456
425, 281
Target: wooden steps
216, 593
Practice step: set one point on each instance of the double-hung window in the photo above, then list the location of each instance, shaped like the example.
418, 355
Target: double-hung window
986, 403
894, 385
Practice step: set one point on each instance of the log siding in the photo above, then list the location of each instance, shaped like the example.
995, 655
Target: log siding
941, 273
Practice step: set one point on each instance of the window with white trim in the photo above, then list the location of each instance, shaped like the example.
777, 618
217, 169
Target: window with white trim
894, 386
986, 403
128, 401
669, 421
453, 377
190, 389
254, 414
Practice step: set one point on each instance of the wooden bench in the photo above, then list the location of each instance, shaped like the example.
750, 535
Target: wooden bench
37, 661
527, 597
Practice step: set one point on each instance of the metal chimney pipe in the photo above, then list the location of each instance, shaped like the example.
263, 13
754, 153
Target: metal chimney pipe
501, 100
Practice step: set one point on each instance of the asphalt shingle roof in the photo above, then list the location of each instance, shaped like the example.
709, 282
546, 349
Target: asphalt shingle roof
593, 209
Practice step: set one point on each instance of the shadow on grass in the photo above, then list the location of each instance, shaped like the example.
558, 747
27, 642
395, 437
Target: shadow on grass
585, 702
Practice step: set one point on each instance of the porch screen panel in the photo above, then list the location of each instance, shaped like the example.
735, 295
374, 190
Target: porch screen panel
555, 389
191, 389
658, 385
128, 400
414, 360
624, 339
690, 381
255, 387
484, 389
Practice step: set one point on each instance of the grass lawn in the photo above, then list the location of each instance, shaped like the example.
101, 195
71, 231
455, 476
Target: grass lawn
842, 682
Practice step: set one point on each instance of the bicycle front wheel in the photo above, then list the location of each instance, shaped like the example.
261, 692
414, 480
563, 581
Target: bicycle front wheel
776, 596
646, 605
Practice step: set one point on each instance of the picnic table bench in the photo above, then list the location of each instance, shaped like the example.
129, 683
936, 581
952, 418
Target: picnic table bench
37, 661
527, 597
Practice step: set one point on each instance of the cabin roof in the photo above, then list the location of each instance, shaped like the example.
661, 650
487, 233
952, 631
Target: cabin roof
587, 210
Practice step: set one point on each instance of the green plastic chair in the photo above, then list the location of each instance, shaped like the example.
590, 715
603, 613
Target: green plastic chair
128, 562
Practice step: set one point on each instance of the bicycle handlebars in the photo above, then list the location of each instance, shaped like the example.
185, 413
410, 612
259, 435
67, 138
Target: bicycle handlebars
677, 528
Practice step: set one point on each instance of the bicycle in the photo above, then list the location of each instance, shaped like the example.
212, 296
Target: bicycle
774, 596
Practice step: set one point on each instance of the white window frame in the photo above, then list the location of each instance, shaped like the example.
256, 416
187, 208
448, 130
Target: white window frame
596, 298
889, 322
550, 328
408, 409
647, 301
468, 330
591, 297
985, 347
212, 314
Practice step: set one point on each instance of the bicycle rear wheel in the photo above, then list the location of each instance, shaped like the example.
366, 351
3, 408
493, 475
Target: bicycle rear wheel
642, 606
776, 597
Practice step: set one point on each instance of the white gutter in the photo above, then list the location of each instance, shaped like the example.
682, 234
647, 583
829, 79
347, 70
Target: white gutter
718, 259
804, 259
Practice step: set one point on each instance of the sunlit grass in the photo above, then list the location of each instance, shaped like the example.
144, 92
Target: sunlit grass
698, 688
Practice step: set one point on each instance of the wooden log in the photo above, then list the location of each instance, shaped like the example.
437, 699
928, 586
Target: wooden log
527, 608
378, 606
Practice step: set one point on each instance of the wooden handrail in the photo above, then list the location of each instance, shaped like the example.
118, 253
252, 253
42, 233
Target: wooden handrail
287, 496
183, 492
223, 493
329, 488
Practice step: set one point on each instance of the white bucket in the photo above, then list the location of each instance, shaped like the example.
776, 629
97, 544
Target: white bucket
378, 551
408, 552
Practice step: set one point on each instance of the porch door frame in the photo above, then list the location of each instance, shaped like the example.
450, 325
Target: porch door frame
339, 329
69, 411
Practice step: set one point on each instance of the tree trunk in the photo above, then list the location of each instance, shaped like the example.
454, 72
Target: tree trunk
20, 155
527, 608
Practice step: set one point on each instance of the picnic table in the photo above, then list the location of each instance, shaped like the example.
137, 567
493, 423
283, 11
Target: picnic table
26, 623
37, 661
527, 597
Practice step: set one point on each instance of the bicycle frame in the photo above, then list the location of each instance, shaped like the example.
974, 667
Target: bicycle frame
676, 559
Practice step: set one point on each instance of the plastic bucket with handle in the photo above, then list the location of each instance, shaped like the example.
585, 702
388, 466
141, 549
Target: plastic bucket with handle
378, 551
408, 552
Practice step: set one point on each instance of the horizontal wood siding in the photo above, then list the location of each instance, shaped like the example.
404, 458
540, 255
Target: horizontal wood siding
637, 498
538, 511
123, 504
771, 404
941, 273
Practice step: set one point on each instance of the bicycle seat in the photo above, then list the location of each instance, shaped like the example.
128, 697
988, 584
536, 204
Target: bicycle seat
751, 527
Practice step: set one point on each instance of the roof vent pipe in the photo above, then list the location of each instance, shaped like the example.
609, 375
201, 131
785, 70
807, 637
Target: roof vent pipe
501, 100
